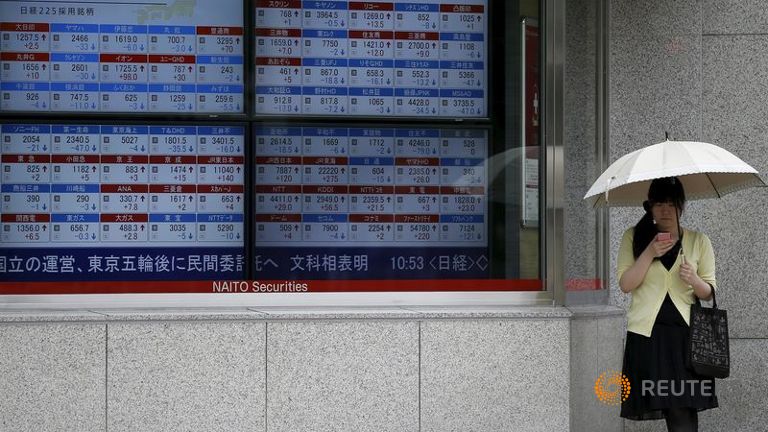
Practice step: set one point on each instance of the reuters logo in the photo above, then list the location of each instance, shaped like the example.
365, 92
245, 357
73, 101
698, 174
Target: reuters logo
612, 388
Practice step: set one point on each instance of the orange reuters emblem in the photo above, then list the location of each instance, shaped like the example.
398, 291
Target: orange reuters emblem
612, 388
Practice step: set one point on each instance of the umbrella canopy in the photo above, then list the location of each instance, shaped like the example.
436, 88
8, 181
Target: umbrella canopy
706, 171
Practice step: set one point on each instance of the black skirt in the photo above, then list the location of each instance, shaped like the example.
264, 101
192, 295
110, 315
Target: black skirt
656, 370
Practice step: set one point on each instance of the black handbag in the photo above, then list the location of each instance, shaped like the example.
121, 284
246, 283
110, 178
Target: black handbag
708, 348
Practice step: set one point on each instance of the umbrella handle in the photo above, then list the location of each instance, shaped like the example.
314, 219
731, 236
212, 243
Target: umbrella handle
679, 232
608, 188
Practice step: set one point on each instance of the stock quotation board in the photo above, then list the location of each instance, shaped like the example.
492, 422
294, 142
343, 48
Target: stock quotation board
121, 202
372, 58
181, 56
370, 202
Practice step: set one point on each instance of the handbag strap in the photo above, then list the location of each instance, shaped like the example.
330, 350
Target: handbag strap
714, 298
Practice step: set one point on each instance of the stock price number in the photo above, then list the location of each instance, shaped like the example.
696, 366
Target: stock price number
283, 104
420, 231
468, 232
226, 43
130, 231
287, 231
33, 141
80, 231
220, 140
226, 231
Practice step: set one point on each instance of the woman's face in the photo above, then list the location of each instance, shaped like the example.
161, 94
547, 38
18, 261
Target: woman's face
666, 215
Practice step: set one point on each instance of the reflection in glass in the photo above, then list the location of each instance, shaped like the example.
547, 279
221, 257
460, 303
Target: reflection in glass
358, 202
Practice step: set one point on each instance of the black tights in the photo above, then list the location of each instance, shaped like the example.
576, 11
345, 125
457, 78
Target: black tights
682, 420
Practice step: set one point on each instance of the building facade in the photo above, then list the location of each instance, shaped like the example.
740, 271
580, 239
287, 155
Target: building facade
615, 76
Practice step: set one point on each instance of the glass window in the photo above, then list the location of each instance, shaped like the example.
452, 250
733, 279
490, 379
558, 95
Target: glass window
379, 146
349, 199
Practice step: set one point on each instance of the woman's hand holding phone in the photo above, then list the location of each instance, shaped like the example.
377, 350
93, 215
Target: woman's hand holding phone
661, 244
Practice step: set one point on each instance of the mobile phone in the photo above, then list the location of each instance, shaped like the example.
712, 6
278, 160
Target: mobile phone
663, 236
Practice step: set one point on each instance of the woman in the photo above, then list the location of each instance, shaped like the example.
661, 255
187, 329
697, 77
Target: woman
664, 281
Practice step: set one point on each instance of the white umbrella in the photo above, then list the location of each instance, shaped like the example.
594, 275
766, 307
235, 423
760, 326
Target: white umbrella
706, 171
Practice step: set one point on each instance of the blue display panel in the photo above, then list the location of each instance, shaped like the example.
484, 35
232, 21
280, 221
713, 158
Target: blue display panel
372, 58
370, 202
121, 202
126, 56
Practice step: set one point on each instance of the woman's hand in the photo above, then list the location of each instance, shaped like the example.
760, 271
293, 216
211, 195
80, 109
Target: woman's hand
658, 248
633, 276
688, 274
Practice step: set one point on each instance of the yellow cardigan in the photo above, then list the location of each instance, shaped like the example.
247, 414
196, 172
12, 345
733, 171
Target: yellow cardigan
648, 297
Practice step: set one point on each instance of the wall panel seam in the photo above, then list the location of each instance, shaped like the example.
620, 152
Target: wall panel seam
106, 377
419, 374
266, 376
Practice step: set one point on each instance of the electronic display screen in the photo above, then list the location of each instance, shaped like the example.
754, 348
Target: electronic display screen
121, 202
128, 56
370, 202
372, 58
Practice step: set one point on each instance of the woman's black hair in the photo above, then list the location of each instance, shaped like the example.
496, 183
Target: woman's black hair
667, 189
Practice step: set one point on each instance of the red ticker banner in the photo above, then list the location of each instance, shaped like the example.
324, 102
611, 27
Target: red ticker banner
267, 286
